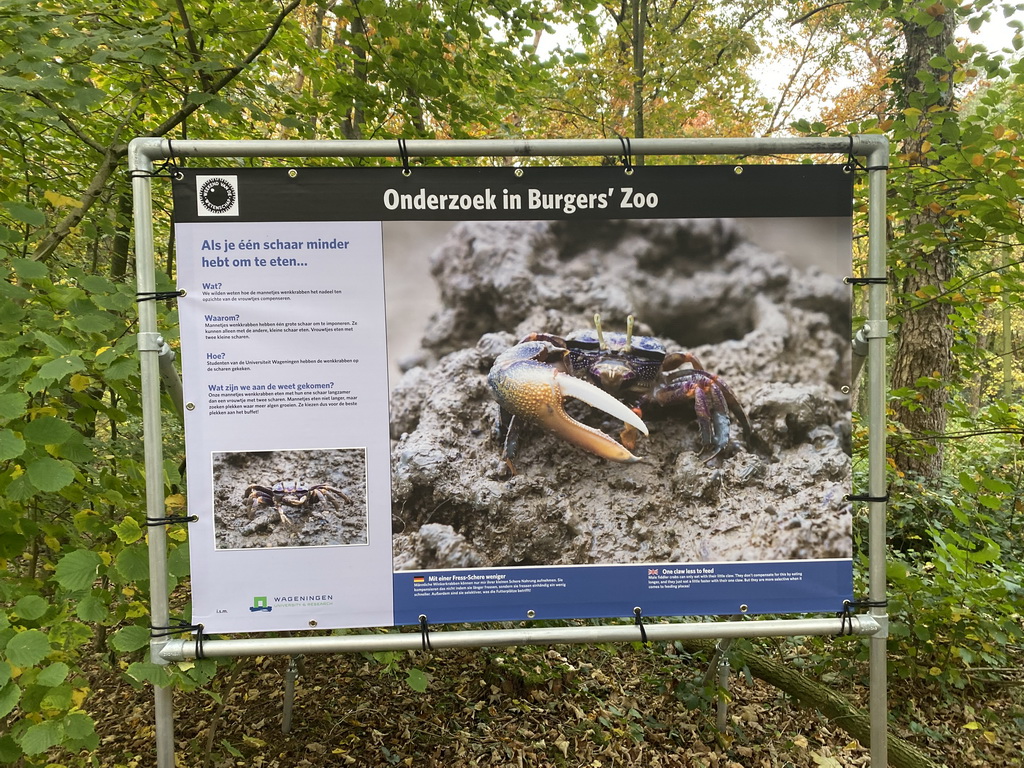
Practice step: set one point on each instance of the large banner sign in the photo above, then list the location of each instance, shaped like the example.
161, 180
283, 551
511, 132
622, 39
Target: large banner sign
483, 394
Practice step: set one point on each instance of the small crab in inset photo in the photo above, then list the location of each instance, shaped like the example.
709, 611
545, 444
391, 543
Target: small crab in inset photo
289, 497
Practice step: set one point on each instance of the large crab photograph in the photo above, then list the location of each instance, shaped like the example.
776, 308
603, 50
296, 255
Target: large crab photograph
306, 498
626, 391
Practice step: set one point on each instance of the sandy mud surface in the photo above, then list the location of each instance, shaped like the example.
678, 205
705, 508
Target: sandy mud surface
314, 524
777, 334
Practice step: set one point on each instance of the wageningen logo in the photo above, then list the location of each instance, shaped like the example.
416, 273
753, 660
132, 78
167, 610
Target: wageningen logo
260, 604
217, 195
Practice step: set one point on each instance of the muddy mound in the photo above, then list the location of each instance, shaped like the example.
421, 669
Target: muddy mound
777, 335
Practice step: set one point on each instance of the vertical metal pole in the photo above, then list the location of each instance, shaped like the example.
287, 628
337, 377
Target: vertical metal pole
141, 166
878, 161
287, 706
722, 715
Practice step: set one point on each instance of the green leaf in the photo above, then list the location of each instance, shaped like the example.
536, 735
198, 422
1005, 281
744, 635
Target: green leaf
132, 564
128, 530
48, 430
31, 607
55, 674
92, 610
992, 502
78, 725
148, 672
130, 638
12, 405
27, 648
48, 474
9, 696
40, 737
56, 370
968, 483
11, 445
77, 570
59, 697
9, 749
417, 679
28, 215
94, 322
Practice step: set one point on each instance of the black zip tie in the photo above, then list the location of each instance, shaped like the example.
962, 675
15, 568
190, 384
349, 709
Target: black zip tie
403, 150
866, 497
174, 629
852, 163
627, 154
158, 295
846, 615
425, 633
200, 639
167, 168
866, 280
638, 620
171, 520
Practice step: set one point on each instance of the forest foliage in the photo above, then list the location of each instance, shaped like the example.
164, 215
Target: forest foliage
79, 80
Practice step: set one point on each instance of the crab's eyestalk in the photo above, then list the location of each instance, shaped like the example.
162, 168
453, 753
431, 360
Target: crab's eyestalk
600, 335
534, 391
629, 335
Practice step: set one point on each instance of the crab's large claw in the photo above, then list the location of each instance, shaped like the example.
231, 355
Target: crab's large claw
530, 387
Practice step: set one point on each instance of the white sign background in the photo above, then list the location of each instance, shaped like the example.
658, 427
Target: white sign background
284, 348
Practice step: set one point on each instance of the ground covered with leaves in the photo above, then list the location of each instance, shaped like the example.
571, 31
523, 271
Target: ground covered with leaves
626, 705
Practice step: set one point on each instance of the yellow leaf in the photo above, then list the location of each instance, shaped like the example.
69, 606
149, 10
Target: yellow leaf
998, 131
177, 534
175, 501
990, 736
57, 200
80, 382
935, 671
800, 741
79, 695
101, 350
977, 160
972, 726
925, 146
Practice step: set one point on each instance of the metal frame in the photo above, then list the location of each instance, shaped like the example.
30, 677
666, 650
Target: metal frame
142, 155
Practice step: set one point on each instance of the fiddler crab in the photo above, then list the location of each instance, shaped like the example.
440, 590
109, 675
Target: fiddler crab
618, 373
289, 496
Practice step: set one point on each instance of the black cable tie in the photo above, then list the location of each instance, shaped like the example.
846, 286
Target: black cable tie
200, 639
846, 618
425, 633
174, 629
851, 160
638, 620
846, 615
158, 295
403, 151
152, 522
866, 280
877, 168
866, 497
627, 154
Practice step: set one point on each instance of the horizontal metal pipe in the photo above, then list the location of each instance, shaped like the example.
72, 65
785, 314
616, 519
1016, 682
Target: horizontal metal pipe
159, 149
180, 650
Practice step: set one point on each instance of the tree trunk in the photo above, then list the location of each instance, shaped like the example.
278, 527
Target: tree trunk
924, 343
814, 695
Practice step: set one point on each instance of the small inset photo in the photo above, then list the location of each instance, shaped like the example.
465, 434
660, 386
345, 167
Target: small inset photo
310, 498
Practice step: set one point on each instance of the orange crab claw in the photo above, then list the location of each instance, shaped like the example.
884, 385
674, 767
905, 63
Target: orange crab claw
534, 390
